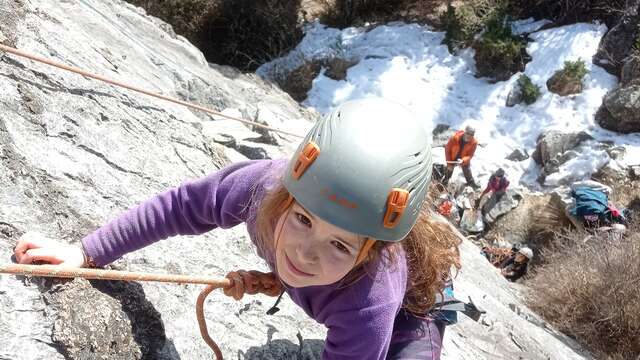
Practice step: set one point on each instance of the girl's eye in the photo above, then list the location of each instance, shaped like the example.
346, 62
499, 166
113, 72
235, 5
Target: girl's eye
340, 247
303, 219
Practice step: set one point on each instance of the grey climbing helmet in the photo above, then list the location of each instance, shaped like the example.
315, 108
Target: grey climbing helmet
364, 168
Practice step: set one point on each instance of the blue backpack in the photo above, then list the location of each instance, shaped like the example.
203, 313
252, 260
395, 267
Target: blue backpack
590, 202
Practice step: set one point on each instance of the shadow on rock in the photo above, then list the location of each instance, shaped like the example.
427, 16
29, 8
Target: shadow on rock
309, 349
146, 323
122, 325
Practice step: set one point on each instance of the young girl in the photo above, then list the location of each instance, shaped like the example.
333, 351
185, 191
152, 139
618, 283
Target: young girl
341, 225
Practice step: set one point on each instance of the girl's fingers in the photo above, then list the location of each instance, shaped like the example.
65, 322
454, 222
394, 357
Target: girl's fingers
239, 287
236, 290
252, 282
39, 254
21, 248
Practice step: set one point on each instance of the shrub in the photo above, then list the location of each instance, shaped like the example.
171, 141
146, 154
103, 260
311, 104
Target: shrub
498, 53
569, 11
591, 291
568, 80
241, 33
530, 91
185, 16
462, 22
344, 13
575, 70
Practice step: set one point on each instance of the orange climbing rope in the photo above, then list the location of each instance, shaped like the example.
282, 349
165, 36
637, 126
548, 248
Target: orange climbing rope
20, 53
235, 284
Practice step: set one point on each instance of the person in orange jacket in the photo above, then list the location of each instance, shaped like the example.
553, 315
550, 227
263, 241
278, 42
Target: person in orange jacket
459, 151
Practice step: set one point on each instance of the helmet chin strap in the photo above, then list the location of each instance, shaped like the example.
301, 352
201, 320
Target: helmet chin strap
286, 207
368, 244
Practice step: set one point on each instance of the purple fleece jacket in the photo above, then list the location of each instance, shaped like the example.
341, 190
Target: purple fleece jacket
359, 317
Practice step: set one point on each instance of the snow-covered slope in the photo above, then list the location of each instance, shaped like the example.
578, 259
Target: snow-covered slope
408, 64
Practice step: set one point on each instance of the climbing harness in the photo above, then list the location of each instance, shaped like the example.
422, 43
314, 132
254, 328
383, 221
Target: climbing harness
20, 53
252, 282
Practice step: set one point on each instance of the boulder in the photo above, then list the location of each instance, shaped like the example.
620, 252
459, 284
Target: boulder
518, 155
298, 82
336, 68
508, 202
620, 110
515, 96
552, 143
618, 42
564, 85
630, 70
441, 135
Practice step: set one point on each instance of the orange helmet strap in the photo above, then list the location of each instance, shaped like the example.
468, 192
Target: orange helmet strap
364, 251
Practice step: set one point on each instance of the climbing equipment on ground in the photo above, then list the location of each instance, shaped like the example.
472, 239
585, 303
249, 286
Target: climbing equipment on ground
39, 59
255, 282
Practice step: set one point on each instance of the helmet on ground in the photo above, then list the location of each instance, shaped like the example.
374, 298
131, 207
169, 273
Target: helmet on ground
364, 168
528, 253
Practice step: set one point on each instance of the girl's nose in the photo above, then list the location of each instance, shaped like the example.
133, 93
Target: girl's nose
307, 251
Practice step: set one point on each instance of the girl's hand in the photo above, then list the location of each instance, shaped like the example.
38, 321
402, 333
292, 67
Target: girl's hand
35, 248
252, 282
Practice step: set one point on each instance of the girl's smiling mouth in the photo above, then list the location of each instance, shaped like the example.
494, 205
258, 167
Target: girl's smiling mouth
293, 269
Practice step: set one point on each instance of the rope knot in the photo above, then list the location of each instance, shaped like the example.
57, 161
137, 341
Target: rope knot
252, 282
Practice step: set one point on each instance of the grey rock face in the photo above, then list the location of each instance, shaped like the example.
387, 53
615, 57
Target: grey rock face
616, 45
12, 12
620, 110
76, 153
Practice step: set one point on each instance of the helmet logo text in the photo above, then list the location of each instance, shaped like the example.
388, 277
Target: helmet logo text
338, 200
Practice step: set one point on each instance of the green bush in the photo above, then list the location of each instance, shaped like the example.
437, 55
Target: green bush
575, 70
498, 53
463, 21
344, 13
241, 33
569, 11
530, 91
185, 16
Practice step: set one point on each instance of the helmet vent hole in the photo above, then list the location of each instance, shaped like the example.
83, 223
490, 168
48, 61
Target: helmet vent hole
417, 154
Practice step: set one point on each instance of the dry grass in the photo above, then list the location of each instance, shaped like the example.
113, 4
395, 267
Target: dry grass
591, 291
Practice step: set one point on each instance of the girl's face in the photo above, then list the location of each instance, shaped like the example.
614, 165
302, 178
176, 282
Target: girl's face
311, 251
